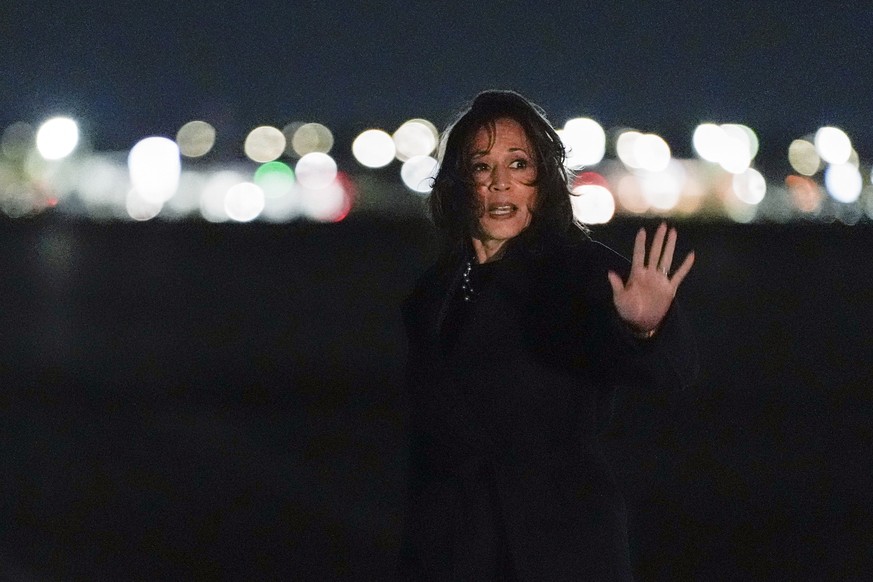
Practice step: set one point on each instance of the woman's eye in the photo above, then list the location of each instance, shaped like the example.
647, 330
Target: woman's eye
480, 167
519, 164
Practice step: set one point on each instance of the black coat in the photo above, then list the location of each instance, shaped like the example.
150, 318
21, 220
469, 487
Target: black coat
504, 454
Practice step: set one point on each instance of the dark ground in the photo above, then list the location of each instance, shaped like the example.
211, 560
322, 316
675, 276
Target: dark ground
190, 401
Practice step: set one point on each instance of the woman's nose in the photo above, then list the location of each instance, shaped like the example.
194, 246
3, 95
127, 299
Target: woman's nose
499, 179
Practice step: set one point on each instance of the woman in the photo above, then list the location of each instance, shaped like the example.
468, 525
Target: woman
518, 337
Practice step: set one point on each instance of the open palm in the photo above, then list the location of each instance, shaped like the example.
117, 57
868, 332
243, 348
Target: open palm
644, 299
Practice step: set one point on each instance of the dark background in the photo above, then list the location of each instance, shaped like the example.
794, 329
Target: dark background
189, 400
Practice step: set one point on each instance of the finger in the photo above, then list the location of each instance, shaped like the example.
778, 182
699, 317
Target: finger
639, 256
657, 245
667, 255
616, 283
683, 269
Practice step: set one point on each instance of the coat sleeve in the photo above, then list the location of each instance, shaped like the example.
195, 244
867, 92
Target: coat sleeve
667, 360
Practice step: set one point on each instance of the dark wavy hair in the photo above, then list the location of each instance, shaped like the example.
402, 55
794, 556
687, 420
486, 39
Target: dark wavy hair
453, 206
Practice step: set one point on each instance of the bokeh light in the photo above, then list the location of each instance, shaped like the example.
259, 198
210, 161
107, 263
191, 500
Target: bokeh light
843, 182
155, 166
264, 144
374, 148
244, 202
316, 170
57, 138
416, 137
663, 189
141, 209
750, 186
585, 142
212, 206
418, 172
276, 179
307, 138
330, 203
803, 157
195, 139
833, 145
733, 146
804, 193
592, 201
643, 151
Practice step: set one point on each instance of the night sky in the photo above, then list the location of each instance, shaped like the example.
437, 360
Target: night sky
130, 69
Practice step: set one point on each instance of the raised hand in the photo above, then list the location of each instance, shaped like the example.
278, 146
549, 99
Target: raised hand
643, 301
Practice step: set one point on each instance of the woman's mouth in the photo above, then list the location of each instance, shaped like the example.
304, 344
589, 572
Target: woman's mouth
502, 210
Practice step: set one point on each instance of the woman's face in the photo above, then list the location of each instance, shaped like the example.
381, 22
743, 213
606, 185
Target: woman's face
504, 171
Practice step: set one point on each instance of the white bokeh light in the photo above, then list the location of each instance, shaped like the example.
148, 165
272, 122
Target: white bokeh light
651, 152
418, 172
57, 138
141, 209
214, 192
244, 202
833, 145
316, 170
416, 137
843, 182
155, 165
374, 148
585, 142
750, 186
592, 204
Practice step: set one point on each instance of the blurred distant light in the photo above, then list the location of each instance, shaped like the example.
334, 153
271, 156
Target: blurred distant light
325, 204
803, 157
744, 135
155, 167
244, 202
212, 206
374, 148
707, 141
308, 138
843, 182
804, 193
17, 140
187, 198
740, 211
750, 186
416, 137
57, 138
418, 172
584, 141
651, 152
141, 209
276, 179
316, 170
102, 182
592, 204
732, 146
625, 148
662, 189
195, 139
630, 194
264, 144
833, 145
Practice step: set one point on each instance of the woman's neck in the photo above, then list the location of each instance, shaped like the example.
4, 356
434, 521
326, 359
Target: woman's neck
488, 250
